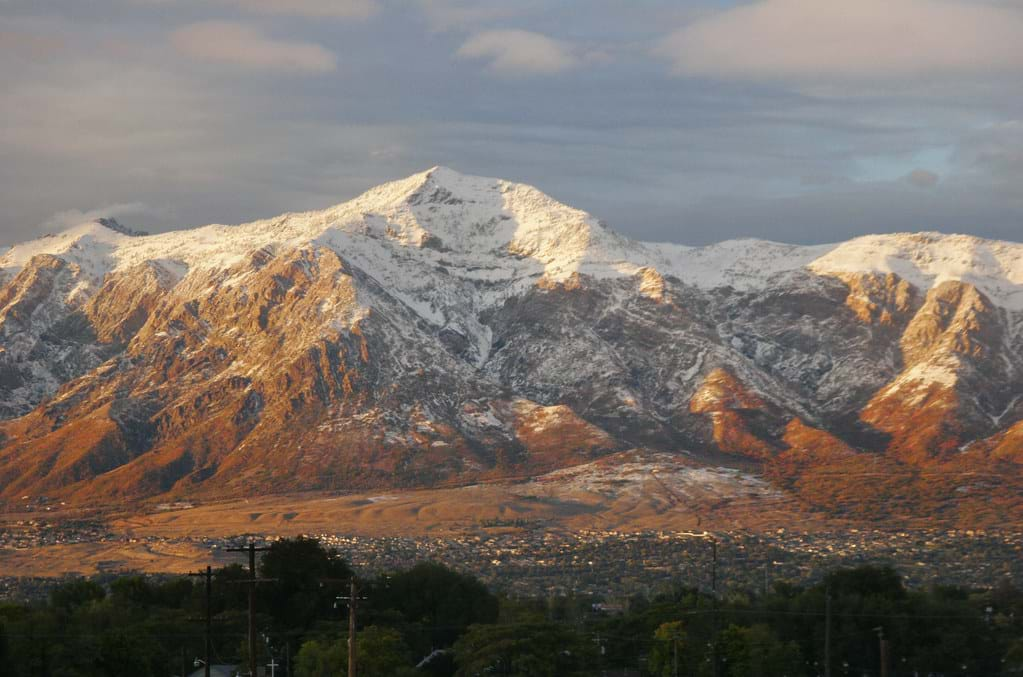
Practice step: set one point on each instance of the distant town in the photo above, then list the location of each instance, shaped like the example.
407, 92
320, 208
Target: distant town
524, 559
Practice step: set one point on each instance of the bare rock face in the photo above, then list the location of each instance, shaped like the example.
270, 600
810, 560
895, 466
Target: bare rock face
949, 382
122, 306
556, 437
1008, 445
448, 328
880, 300
741, 420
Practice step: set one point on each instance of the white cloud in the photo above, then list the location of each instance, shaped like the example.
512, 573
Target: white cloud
243, 45
516, 52
72, 217
861, 40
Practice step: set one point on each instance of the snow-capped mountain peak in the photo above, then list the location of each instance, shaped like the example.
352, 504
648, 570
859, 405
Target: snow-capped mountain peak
86, 244
452, 212
490, 229
927, 259
448, 326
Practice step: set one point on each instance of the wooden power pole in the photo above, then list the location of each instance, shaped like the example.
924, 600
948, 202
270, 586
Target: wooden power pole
252, 581
827, 630
714, 566
714, 592
208, 575
883, 649
353, 602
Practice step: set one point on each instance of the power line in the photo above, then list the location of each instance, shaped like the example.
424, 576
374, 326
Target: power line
252, 581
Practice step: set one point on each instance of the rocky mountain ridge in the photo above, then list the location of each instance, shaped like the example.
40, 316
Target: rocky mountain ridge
449, 328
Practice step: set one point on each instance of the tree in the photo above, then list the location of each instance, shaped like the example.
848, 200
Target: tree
526, 650
141, 592
123, 653
4, 650
1014, 658
670, 639
756, 652
132, 591
437, 601
319, 658
381, 651
298, 595
76, 593
867, 581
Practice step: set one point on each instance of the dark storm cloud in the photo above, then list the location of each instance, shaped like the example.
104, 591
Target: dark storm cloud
173, 113
849, 213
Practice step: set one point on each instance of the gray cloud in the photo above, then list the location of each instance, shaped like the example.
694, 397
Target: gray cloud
832, 216
460, 14
110, 112
314, 9
239, 44
332, 9
922, 178
996, 150
29, 45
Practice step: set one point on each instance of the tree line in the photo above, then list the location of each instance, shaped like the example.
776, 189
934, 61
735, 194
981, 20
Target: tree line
432, 620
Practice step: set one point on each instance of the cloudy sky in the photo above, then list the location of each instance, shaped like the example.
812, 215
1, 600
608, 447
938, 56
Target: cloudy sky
689, 121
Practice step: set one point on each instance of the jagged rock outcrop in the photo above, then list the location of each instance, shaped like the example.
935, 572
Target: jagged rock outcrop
448, 328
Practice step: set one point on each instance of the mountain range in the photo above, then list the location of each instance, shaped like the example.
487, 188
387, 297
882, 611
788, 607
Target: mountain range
448, 329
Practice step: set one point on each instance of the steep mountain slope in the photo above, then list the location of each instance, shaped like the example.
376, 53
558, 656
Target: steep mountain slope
450, 328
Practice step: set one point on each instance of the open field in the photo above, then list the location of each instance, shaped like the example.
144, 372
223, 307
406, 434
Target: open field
626, 494
623, 494
635, 496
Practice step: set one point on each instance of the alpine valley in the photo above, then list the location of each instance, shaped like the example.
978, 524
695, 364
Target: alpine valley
448, 332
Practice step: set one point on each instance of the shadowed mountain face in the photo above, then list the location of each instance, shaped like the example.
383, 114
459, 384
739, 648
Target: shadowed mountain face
448, 328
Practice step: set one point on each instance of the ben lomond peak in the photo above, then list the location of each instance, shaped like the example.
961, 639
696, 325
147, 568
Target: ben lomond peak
445, 209
475, 224
116, 226
396, 339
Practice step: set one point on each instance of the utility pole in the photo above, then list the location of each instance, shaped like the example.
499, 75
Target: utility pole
884, 650
598, 640
714, 566
353, 603
827, 629
208, 575
714, 592
674, 654
251, 549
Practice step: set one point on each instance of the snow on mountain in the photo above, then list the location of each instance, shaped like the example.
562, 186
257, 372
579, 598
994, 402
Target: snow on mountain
90, 245
448, 326
489, 231
928, 259
747, 264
